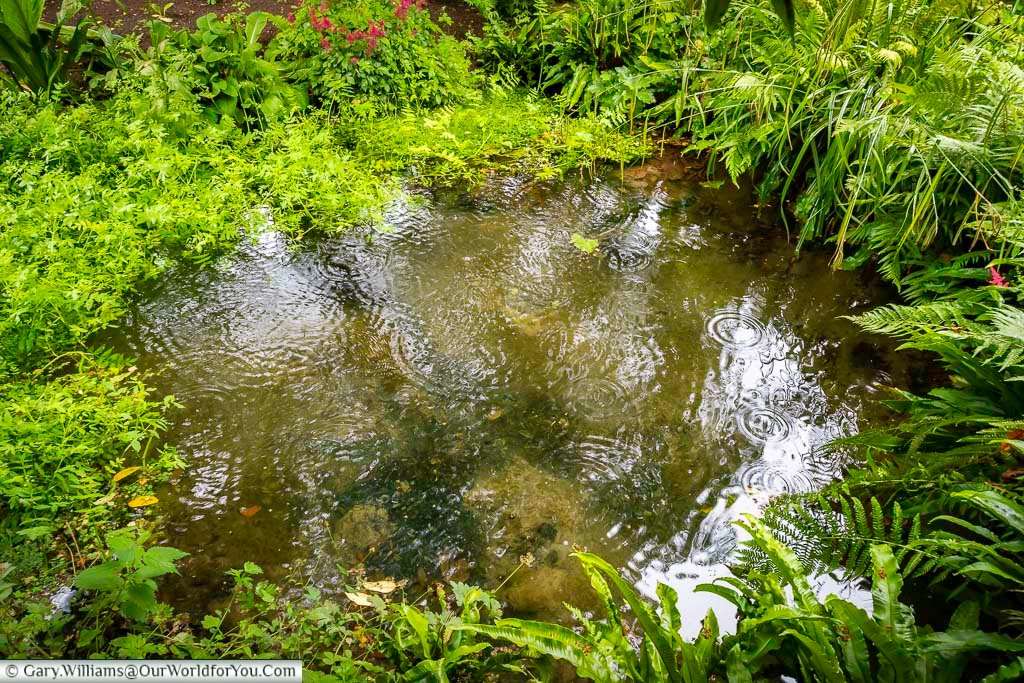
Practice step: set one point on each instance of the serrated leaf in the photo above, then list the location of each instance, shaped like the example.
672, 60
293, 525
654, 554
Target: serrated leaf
162, 558
100, 577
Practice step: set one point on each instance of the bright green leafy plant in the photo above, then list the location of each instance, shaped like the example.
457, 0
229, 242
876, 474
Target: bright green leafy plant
374, 56
238, 78
128, 578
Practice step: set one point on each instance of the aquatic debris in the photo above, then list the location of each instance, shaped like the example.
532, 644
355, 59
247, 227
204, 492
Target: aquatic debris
385, 587
248, 512
361, 599
143, 501
62, 599
584, 244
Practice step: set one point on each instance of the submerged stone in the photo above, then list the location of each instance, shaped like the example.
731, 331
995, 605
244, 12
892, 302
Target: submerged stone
362, 528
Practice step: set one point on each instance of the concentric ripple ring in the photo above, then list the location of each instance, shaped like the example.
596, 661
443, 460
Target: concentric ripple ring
735, 330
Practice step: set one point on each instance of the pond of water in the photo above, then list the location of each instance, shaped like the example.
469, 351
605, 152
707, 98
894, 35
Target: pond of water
438, 400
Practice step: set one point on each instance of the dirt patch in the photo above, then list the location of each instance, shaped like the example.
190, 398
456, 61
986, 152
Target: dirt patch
132, 16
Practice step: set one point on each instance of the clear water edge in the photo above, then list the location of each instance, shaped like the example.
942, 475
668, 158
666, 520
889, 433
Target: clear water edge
438, 400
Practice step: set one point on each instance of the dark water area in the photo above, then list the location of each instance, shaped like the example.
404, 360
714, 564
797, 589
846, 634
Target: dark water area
467, 387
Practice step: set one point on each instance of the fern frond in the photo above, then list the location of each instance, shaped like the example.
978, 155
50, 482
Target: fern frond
826, 534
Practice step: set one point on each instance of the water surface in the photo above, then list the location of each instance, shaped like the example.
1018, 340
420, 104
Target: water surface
438, 400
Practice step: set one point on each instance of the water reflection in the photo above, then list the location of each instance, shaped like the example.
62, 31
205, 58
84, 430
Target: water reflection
438, 400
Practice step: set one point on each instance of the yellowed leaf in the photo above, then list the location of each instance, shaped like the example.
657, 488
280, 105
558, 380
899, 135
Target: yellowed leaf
126, 472
384, 587
142, 501
495, 414
361, 599
250, 511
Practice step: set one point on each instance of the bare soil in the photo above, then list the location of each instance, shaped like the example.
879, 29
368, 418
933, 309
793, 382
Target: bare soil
132, 16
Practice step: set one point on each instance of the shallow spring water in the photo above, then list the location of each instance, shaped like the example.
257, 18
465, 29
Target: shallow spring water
436, 401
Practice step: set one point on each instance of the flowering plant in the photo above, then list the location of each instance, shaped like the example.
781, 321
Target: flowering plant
388, 53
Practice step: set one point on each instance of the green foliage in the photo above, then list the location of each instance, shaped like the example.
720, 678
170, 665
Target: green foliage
968, 429
374, 56
506, 132
37, 55
100, 197
891, 131
392, 639
127, 580
838, 530
784, 627
984, 546
782, 621
62, 440
584, 244
227, 67
604, 651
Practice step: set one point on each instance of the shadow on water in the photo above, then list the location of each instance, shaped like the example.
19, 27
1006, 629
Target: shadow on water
437, 400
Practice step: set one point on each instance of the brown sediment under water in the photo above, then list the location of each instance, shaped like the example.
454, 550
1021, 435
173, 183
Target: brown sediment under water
437, 399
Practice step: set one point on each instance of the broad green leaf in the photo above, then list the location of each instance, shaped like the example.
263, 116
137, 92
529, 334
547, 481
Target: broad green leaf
820, 656
854, 647
784, 561
995, 505
553, 640
162, 559
255, 22
139, 600
642, 612
419, 624
970, 641
784, 8
100, 577
21, 17
428, 670
458, 653
886, 584
736, 669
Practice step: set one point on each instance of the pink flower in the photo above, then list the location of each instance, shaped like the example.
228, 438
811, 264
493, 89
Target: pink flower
325, 44
355, 60
997, 279
402, 8
291, 18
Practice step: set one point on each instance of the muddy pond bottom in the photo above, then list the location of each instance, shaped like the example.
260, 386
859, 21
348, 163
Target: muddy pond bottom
468, 387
